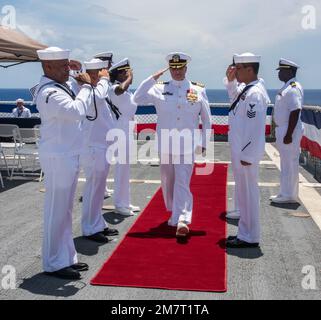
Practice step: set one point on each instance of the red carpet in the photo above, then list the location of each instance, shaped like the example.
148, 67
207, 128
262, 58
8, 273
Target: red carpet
150, 256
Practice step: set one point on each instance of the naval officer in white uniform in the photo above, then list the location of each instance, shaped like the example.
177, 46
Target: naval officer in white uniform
121, 77
98, 122
247, 118
60, 146
178, 103
289, 131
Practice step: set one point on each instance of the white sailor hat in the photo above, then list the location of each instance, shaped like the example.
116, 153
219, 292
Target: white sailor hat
20, 100
53, 53
104, 56
287, 64
246, 57
121, 65
95, 64
177, 60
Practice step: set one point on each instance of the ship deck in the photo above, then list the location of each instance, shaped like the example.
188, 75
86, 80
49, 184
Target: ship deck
291, 238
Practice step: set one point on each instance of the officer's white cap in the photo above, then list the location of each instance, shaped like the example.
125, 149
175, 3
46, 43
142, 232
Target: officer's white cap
104, 55
178, 60
20, 100
53, 53
287, 64
247, 57
121, 65
95, 64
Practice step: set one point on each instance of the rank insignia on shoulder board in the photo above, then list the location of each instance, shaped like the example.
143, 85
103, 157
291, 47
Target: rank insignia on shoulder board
198, 84
293, 84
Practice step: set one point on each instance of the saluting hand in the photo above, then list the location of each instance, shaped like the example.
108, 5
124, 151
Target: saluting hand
103, 73
74, 65
231, 73
83, 78
158, 74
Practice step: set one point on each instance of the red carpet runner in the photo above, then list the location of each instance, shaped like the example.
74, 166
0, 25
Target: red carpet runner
151, 257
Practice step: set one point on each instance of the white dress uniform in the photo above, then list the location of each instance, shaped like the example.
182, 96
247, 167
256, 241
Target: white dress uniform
247, 141
93, 160
125, 122
59, 150
178, 105
289, 99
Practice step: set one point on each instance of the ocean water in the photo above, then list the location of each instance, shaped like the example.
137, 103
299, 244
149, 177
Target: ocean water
312, 97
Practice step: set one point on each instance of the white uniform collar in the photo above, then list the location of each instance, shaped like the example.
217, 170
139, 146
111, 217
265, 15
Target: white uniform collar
43, 81
261, 85
253, 83
290, 81
179, 83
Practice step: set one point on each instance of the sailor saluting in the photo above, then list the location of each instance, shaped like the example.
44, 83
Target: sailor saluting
247, 118
61, 113
98, 122
121, 77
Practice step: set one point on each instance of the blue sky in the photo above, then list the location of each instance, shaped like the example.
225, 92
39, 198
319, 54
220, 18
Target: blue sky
211, 31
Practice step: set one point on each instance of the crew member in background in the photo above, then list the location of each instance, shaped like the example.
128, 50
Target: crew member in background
289, 131
21, 111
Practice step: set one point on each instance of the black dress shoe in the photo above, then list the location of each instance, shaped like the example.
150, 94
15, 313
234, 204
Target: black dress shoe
80, 266
231, 237
65, 273
98, 237
110, 232
237, 243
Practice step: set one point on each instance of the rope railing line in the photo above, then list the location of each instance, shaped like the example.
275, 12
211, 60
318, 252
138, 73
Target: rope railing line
212, 104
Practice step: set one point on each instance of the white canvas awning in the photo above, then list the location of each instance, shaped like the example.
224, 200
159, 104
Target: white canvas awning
16, 47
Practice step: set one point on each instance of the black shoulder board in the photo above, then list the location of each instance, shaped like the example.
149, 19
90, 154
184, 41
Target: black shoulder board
50, 94
162, 82
293, 84
198, 84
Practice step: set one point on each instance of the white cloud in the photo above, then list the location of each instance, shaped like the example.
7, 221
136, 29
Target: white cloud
145, 31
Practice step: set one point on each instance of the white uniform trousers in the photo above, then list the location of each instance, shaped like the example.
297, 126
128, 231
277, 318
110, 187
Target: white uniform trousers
96, 169
289, 156
61, 177
234, 160
122, 186
122, 176
178, 198
248, 198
